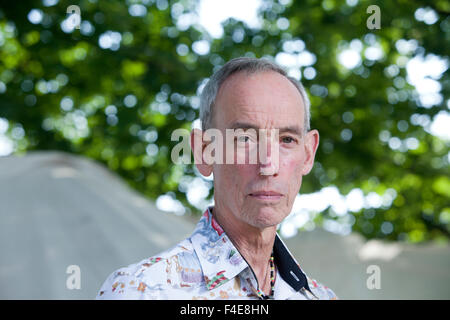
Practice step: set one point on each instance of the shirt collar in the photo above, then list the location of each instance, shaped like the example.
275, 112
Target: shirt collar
221, 261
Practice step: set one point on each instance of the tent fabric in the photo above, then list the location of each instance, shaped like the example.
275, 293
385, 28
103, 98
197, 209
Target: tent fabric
60, 212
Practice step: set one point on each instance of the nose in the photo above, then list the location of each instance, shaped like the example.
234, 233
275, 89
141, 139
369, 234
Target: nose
269, 160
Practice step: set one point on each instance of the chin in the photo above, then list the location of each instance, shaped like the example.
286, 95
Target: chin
266, 216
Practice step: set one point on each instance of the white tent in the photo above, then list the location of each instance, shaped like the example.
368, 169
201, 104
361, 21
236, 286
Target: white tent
58, 210
350, 265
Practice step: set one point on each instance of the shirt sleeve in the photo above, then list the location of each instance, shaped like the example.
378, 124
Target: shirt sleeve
321, 291
123, 285
330, 293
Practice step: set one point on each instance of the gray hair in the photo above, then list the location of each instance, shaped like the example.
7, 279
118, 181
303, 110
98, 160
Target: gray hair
251, 66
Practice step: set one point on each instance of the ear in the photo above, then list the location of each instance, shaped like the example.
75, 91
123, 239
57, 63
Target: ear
197, 146
311, 144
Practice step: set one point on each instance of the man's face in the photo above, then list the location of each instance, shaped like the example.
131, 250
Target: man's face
265, 100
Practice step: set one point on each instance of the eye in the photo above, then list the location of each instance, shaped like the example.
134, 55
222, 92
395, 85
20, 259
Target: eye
243, 139
246, 138
287, 139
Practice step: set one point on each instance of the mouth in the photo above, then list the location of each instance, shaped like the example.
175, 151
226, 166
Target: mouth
266, 195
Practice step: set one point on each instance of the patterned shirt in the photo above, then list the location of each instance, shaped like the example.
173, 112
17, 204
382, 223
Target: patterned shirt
208, 266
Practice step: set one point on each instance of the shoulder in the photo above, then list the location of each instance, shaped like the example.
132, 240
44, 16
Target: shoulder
148, 278
321, 291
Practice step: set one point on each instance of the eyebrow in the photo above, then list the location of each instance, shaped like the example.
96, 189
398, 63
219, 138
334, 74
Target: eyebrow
289, 129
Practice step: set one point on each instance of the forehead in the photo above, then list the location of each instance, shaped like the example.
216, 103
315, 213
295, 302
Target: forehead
264, 99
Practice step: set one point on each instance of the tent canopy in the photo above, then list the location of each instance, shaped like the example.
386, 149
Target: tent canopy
59, 210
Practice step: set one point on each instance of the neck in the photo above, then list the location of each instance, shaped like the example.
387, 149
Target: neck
254, 244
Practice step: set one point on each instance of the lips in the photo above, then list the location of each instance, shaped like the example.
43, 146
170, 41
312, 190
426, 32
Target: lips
266, 195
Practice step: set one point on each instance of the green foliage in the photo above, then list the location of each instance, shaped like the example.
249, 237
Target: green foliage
120, 105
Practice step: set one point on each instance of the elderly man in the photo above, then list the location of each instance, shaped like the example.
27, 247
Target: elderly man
235, 252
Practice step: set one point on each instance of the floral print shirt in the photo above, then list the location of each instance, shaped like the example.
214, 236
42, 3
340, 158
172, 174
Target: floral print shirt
208, 266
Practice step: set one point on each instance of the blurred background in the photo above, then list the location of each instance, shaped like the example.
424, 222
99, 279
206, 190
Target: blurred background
88, 106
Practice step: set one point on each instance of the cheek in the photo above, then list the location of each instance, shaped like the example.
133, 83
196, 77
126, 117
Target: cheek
241, 175
233, 178
292, 171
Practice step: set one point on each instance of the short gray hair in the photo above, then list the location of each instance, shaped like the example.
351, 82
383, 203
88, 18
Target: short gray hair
251, 66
